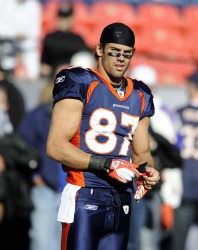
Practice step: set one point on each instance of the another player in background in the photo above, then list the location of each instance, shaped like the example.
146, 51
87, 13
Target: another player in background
153, 229
99, 124
186, 215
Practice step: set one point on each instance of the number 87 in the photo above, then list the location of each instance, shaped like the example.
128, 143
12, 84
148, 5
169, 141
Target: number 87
108, 130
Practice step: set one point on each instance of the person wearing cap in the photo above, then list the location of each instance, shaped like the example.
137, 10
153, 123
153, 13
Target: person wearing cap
99, 133
187, 213
60, 45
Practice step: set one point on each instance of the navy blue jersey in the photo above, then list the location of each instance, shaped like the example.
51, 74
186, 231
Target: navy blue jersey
109, 120
189, 151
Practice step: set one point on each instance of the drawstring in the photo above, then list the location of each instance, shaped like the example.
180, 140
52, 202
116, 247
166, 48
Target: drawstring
116, 203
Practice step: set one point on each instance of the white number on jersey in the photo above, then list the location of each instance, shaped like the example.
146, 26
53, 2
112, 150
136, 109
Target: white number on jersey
107, 129
190, 142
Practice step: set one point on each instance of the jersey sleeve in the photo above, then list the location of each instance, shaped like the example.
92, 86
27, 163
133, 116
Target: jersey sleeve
70, 83
149, 109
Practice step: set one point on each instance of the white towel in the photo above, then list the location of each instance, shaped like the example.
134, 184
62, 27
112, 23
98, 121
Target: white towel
172, 187
68, 202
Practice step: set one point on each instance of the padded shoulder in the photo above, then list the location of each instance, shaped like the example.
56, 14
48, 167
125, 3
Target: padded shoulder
72, 82
139, 85
149, 108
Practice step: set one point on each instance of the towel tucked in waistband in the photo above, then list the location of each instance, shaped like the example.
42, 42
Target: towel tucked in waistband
67, 205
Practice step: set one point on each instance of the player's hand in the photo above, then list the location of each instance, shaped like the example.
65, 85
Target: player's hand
123, 171
149, 178
118, 169
152, 177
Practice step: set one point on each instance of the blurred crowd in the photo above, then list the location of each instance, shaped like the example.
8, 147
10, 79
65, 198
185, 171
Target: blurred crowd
34, 47
28, 28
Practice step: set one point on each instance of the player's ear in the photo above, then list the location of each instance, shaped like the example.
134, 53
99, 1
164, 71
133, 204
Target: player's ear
99, 50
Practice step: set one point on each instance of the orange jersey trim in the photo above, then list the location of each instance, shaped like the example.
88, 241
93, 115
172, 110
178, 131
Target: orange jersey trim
129, 88
75, 176
90, 91
65, 231
143, 101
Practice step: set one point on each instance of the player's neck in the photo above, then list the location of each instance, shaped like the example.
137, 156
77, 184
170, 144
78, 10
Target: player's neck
112, 80
118, 84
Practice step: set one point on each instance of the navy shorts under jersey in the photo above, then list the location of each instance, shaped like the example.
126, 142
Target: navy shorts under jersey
101, 221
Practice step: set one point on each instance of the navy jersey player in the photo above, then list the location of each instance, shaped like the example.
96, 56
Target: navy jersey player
99, 132
187, 213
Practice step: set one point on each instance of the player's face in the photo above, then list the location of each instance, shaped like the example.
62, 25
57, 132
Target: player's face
115, 59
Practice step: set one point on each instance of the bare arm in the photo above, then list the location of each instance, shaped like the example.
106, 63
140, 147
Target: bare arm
141, 144
66, 118
141, 152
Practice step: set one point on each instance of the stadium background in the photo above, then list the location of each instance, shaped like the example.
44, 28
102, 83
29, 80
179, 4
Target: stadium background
166, 37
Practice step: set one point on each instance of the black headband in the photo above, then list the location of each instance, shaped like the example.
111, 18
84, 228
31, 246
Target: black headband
118, 33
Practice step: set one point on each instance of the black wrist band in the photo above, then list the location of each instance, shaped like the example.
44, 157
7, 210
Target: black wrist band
142, 167
97, 164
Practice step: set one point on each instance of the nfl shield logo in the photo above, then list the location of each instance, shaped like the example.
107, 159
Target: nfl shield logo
118, 33
126, 209
121, 93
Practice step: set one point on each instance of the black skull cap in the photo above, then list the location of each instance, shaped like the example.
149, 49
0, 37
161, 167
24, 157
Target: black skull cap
118, 33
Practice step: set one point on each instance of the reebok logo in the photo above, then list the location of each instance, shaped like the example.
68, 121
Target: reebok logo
117, 163
90, 207
60, 79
